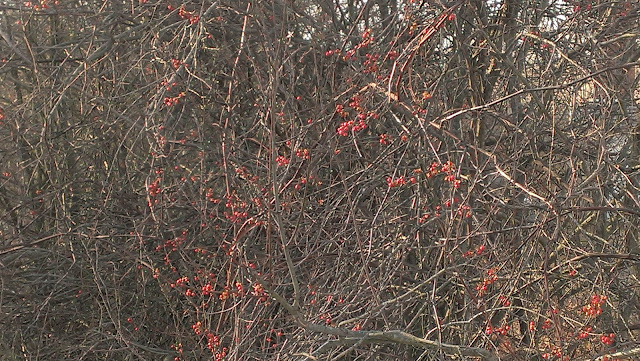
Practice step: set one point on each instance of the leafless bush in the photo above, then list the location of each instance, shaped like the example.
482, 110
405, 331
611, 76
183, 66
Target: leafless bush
319, 180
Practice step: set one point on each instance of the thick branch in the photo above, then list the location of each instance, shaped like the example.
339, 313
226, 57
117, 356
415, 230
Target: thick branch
380, 337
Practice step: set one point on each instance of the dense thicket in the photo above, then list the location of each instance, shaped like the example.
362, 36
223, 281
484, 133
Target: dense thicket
322, 180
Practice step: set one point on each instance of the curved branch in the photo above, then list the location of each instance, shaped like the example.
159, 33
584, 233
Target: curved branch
350, 337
